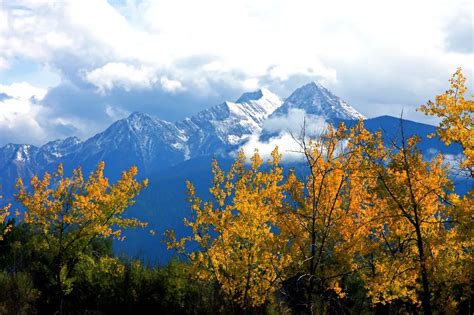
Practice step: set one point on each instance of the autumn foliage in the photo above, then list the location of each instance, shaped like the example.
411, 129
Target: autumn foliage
358, 226
380, 215
239, 246
69, 213
4, 213
322, 220
456, 116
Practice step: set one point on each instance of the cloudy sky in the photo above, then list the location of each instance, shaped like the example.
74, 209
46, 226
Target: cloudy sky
73, 67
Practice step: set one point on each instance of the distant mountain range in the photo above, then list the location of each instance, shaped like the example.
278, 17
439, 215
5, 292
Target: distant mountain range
152, 143
170, 152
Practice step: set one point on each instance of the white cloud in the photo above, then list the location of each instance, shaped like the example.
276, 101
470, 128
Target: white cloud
171, 85
116, 113
287, 130
23, 91
24, 117
276, 39
453, 163
19, 113
378, 56
295, 122
115, 74
286, 144
251, 84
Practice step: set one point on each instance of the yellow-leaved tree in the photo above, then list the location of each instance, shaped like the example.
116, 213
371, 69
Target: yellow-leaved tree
4, 213
238, 246
322, 220
69, 213
457, 118
411, 240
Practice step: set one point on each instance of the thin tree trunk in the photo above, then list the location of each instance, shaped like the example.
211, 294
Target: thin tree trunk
426, 301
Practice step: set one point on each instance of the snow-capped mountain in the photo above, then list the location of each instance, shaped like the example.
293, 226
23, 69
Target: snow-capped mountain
139, 139
168, 153
17, 160
316, 100
25, 160
214, 130
57, 149
153, 144
146, 141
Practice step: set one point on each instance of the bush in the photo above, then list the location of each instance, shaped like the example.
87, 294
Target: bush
17, 294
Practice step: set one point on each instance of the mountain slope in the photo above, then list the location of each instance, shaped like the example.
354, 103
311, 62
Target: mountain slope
217, 129
316, 100
145, 141
139, 139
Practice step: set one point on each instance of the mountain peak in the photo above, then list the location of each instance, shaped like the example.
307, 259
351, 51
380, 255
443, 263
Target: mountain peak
59, 148
138, 121
316, 86
257, 95
67, 141
137, 116
72, 140
312, 89
317, 100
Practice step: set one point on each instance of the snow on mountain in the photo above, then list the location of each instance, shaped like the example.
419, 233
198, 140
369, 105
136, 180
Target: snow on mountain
54, 150
16, 160
316, 100
18, 153
229, 123
139, 139
311, 107
152, 143
141, 129
260, 104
